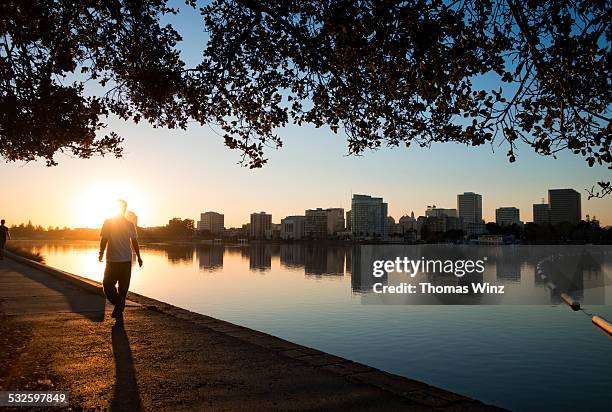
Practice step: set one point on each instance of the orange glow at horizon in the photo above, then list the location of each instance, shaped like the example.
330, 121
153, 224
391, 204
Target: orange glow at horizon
98, 202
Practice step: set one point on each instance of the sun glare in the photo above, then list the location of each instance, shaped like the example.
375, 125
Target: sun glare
98, 202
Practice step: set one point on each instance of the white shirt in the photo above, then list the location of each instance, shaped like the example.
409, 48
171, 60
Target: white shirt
119, 231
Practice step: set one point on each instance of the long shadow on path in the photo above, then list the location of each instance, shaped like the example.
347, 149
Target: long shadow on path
126, 396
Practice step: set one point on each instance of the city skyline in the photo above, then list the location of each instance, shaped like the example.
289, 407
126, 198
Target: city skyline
278, 218
504, 215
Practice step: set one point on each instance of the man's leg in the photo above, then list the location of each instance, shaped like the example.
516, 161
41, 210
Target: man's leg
124, 277
2, 243
110, 278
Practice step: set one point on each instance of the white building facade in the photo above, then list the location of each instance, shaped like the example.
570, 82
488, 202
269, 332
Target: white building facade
212, 222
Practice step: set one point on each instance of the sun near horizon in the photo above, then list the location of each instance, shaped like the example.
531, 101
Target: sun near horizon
92, 206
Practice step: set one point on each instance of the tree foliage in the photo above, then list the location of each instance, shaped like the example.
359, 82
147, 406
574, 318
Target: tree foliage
65, 66
385, 73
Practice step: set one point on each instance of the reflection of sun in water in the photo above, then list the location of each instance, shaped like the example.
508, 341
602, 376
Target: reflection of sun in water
99, 202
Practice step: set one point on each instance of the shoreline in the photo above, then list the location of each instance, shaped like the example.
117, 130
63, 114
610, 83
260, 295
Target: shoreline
335, 243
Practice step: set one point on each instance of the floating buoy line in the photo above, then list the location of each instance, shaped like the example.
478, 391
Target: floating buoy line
597, 320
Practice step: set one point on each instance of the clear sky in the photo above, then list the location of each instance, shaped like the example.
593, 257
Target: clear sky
166, 174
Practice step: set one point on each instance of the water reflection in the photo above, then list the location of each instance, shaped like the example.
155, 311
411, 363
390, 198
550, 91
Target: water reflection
580, 271
210, 258
260, 257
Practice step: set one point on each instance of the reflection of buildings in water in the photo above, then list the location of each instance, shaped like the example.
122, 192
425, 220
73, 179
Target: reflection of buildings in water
274, 249
179, 254
574, 272
322, 260
245, 252
537, 279
593, 278
260, 257
508, 269
362, 278
566, 274
210, 257
348, 260
594, 286
292, 255
317, 260
174, 253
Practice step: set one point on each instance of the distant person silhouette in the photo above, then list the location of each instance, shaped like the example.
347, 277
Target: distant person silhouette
4, 236
119, 234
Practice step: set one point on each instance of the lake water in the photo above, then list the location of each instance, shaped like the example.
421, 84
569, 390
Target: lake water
535, 356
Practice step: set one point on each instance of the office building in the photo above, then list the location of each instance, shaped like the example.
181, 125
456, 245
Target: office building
565, 206
335, 220
348, 220
324, 223
274, 232
368, 217
316, 224
442, 223
469, 205
293, 227
211, 222
507, 216
433, 211
261, 223
541, 214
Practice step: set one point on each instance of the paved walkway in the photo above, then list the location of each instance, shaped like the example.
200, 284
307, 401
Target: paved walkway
57, 336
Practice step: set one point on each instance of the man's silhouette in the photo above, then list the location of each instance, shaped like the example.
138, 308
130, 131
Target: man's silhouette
120, 236
4, 236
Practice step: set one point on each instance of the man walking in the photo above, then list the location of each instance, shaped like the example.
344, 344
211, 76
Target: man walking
4, 236
119, 234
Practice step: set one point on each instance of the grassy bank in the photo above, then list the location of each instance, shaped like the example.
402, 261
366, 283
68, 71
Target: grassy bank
23, 252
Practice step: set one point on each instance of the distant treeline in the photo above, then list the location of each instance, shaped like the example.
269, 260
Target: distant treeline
175, 229
30, 231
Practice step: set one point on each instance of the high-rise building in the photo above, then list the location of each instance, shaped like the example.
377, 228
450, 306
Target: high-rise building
348, 220
293, 227
433, 211
274, 232
260, 224
323, 223
507, 216
469, 205
212, 222
565, 206
316, 224
541, 214
443, 223
335, 220
368, 217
